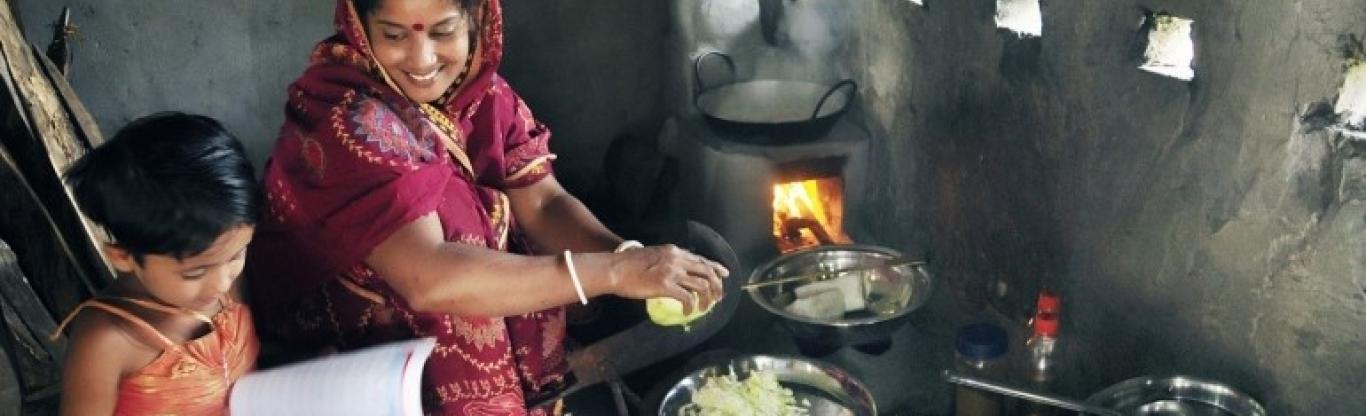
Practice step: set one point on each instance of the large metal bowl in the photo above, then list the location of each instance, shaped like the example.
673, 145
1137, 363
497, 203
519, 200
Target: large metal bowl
892, 293
1176, 395
769, 111
828, 390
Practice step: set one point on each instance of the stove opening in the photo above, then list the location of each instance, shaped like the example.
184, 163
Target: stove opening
808, 204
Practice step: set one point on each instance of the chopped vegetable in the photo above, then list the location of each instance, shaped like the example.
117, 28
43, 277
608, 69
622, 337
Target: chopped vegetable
758, 395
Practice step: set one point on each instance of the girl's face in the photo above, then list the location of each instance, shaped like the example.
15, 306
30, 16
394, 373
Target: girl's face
422, 44
195, 283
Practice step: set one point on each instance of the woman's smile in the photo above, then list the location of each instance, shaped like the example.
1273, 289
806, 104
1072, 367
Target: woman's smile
424, 79
423, 45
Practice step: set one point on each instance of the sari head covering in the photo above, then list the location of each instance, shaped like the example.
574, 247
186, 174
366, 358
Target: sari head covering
355, 161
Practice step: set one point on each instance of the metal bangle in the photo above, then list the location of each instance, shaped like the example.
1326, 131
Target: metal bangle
574, 275
627, 245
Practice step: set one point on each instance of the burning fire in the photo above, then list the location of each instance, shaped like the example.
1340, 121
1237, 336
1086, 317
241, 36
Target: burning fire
808, 213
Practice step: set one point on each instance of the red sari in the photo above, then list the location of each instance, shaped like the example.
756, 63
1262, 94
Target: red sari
355, 161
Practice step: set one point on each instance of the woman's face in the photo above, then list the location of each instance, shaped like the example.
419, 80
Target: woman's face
422, 44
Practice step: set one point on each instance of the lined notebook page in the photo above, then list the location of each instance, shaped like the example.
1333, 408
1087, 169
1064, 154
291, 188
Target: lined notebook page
380, 380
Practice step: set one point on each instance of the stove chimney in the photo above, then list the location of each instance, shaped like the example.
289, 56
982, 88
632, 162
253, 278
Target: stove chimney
770, 14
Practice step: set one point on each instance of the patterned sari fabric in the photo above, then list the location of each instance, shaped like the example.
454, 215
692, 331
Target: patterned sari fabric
355, 161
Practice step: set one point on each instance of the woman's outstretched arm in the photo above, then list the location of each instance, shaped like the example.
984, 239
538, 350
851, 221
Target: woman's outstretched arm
434, 275
557, 221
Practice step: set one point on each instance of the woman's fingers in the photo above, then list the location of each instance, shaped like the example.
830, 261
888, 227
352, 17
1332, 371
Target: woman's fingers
682, 296
713, 287
719, 269
700, 286
718, 288
706, 270
668, 270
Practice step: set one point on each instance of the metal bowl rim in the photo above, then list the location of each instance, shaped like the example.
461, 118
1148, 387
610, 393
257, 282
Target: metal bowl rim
830, 369
710, 99
1138, 382
758, 272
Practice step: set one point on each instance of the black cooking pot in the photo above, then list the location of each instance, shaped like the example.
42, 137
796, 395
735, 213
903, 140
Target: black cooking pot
770, 110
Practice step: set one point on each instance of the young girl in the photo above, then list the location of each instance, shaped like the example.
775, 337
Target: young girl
170, 335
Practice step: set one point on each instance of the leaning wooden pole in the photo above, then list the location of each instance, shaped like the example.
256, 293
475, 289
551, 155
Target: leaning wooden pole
40, 246
44, 139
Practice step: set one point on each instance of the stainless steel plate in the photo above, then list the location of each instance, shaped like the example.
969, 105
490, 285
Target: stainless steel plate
829, 390
890, 292
1176, 395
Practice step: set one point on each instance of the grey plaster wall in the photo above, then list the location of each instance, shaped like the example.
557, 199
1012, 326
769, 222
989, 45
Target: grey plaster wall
589, 79
1212, 228
591, 70
227, 59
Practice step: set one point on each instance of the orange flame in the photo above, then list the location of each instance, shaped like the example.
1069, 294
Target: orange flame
808, 213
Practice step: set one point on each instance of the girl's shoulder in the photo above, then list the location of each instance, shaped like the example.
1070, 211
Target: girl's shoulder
110, 333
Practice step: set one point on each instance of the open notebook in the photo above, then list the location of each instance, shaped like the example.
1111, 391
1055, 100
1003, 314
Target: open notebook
380, 380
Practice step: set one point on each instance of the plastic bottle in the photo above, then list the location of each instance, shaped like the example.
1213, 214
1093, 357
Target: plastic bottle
980, 351
1048, 302
1042, 348
1041, 353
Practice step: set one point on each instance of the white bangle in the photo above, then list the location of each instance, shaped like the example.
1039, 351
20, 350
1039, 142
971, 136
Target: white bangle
574, 275
627, 245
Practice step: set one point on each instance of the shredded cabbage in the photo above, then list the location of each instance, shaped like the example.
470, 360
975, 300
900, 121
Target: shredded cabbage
758, 395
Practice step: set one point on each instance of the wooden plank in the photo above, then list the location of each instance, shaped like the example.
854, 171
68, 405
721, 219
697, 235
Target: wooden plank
38, 361
16, 120
38, 96
55, 271
11, 398
18, 19
59, 50
47, 148
86, 128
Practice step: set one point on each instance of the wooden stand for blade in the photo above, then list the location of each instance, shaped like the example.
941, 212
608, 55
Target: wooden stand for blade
43, 129
56, 259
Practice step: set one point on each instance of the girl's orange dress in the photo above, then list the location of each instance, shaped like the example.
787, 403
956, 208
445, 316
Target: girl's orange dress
192, 378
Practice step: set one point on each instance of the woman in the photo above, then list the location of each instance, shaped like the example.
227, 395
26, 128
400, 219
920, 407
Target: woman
409, 193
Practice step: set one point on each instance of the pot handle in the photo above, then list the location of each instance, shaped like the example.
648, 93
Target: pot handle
833, 88
697, 70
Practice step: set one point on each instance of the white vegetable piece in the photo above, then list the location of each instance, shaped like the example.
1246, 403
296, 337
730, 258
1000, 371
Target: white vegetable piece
824, 305
850, 286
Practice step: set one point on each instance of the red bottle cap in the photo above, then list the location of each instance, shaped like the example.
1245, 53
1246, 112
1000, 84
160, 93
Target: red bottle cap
1046, 324
1049, 302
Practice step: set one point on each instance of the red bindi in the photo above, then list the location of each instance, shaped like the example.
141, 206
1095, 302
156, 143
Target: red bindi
417, 27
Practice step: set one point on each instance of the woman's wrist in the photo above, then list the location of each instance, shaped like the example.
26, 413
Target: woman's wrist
597, 272
613, 278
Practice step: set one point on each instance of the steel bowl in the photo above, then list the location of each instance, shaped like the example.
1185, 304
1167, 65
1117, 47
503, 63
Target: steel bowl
825, 390
892, 293
1176, 395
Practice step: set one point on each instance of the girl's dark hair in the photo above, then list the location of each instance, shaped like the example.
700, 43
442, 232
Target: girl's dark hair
169, 184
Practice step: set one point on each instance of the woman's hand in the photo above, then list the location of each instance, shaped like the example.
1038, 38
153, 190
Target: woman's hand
668, 271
